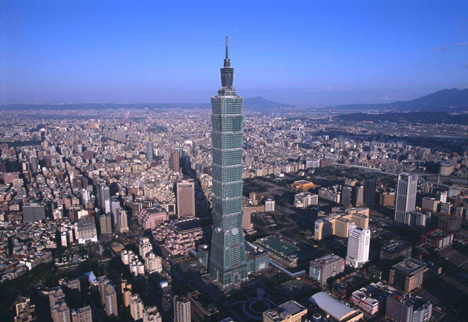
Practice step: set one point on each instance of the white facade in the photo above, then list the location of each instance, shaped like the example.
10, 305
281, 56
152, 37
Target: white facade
270, 205
358, 246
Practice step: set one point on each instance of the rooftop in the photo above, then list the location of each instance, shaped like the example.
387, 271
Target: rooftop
410, 266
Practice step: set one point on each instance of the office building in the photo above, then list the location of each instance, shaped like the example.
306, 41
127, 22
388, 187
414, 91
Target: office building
290, 311
325, 267
269, 205
430, 204
105, 223
372, 298
182, 311
406, 196
174, 164
202, 310
338, 222
358, 246
438, 239
33, 212
227, 258
149, 218
395, 252
305, 199
408, 274
387, 199
185, 193
369, 192
122, 221
407, 308
103, 195
450, 223
417, 218
346, 196
358, 196
86, 230
149, 151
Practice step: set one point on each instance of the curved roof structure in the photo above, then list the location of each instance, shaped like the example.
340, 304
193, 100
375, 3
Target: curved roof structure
331, 305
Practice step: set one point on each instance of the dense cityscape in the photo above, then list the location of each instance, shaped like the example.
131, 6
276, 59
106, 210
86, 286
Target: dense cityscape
243, 209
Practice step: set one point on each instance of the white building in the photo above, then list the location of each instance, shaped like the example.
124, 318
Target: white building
305, 199
181, 309
269, 205
136, 307
358, 246
145, 247
153, 263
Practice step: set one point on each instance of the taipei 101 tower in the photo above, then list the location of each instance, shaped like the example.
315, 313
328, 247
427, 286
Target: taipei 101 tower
227, 256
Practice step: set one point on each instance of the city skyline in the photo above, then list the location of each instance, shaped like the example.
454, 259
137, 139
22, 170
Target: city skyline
339, 53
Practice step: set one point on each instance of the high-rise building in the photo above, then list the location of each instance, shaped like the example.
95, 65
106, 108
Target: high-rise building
174, 161
145, 247
408, 274
406, 196
103, 195
122, 221
136, 307
149, 151
407, 308
358, 246
202, 310
185, 191
228, 258
105, 223
369, 192
181, 309
346, 194
153, 263
269, 205
108, 296
83, 314
325, 267
358, 196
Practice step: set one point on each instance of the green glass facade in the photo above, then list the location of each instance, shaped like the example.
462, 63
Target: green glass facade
227, 255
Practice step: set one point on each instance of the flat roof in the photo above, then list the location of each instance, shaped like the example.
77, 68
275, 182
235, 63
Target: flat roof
409, 266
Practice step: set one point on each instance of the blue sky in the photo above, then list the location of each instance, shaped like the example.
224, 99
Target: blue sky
300, 52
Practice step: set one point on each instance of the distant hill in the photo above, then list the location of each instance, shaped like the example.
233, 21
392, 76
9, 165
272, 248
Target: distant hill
260, 103
254, 103
453, 100
410, 117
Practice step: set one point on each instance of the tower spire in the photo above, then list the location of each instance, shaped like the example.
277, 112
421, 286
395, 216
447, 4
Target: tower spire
227, 47
227, 61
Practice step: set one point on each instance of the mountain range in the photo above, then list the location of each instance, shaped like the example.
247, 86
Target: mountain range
447, 100
254, 103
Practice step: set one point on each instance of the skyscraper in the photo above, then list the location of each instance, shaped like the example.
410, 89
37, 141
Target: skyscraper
227, 258
369, 193
358, 246
174, 161
185, 198
181, 309
149, 151
406, 196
